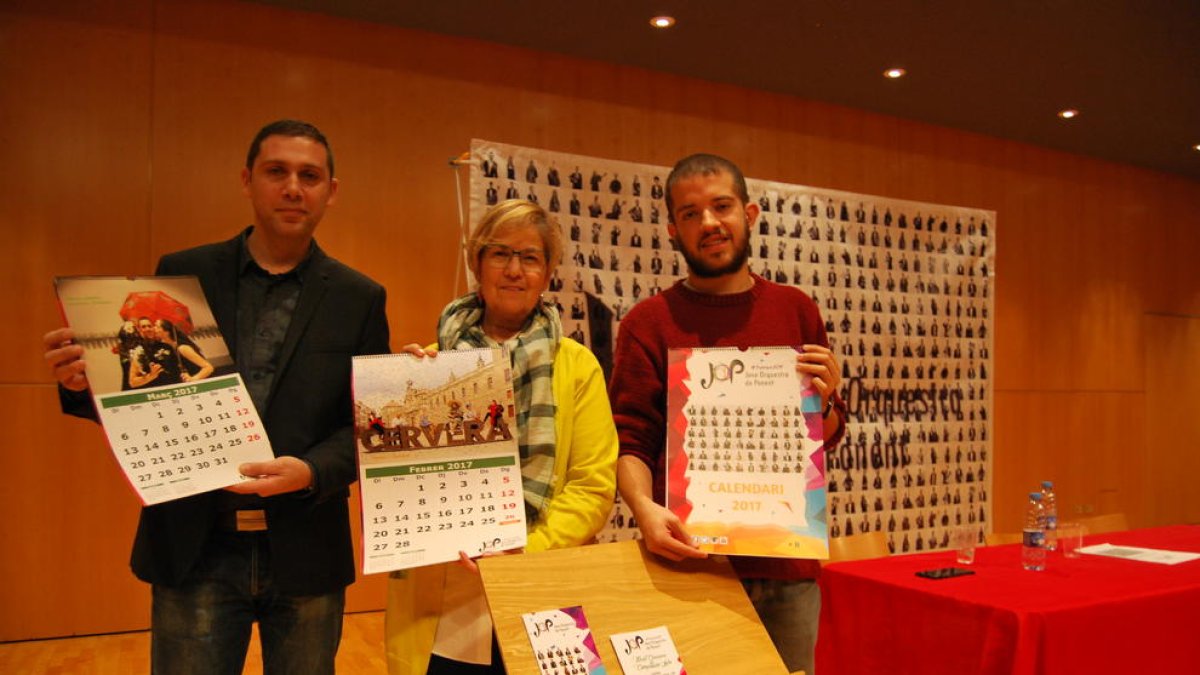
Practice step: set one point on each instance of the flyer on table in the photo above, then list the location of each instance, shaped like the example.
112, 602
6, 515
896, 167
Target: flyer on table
439, 465
563, 643
176, 413
745, 452
648, 652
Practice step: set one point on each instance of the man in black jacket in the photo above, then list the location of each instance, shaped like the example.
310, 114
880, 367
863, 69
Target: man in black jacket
275, 549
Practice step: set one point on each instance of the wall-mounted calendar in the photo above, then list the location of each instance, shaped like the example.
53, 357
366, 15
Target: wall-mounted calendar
177, 416
745, 467
439, 467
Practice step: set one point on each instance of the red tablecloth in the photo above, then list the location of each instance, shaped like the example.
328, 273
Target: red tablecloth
1088, 615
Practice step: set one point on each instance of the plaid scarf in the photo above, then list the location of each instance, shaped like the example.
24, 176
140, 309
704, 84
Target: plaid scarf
532, 354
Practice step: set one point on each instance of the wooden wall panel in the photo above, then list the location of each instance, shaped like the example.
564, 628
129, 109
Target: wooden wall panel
127, 125
1172, 458
74, 197
1091, 444
74, 96
1173, 238
67, 526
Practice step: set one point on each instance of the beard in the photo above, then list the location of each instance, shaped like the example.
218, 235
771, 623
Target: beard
707, 271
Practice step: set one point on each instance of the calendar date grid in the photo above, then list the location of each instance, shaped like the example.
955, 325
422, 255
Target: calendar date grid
461, 499
174, 435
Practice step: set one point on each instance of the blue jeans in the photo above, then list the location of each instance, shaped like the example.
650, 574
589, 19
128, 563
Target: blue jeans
203, 625
790, 611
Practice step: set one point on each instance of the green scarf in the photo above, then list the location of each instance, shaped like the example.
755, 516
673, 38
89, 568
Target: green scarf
532, 354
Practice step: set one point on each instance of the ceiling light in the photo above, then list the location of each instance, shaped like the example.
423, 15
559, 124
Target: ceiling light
1196, 146
895, 73
1069, 113
662, 21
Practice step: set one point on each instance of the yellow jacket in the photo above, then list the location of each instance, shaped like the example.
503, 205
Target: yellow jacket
580, 502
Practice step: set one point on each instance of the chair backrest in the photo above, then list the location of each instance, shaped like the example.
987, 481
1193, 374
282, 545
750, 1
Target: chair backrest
1001, 538
858, 547
1108, 522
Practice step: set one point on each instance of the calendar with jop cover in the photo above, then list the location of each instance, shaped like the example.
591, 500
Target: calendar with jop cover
745, 452
439, 465
176, 413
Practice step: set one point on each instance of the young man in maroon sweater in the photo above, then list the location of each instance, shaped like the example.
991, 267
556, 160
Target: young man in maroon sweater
719, 304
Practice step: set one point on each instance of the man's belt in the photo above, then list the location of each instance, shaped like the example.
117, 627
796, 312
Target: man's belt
243, 520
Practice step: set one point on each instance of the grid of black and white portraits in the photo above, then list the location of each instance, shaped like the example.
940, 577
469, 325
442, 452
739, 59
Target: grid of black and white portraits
905, 289
727, 438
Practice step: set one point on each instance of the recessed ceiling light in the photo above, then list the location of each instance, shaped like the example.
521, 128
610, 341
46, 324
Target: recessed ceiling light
1069, 113
662, 21
895, 73
1196, 146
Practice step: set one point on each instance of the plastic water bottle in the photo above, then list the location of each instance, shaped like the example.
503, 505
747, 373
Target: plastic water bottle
1033, 536
1051, 506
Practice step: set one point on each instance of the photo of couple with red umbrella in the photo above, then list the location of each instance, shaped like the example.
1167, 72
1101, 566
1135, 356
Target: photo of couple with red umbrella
165, 333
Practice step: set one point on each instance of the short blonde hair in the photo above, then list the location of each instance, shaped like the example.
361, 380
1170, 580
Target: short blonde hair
509, 215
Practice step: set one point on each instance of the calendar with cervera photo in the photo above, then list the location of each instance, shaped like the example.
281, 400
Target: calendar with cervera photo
175, 411
439, 466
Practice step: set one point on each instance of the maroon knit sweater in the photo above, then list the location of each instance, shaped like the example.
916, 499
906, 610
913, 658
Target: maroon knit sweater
768, 314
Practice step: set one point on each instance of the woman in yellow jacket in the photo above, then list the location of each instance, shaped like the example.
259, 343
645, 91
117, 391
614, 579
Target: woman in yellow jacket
437, 617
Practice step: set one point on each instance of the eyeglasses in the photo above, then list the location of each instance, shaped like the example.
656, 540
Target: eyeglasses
499, 256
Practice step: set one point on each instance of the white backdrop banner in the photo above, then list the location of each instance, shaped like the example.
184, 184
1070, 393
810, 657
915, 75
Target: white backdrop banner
905, 289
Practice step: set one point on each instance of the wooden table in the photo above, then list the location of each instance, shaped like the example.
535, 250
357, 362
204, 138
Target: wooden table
623, 588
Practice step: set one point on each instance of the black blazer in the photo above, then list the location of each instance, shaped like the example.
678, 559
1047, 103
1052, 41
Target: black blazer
309, 413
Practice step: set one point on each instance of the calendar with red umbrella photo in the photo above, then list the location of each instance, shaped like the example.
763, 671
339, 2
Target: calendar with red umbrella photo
176, 412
